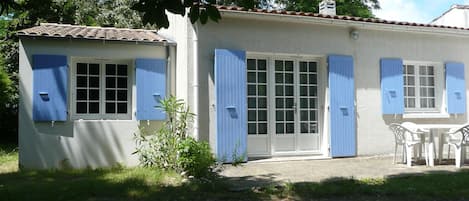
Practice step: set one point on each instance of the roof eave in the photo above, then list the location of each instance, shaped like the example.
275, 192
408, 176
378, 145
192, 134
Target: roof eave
138, 42
429, 29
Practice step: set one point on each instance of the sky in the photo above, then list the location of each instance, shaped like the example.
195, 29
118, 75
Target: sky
422, 11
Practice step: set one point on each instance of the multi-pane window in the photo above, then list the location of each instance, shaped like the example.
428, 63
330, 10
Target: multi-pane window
101, 90
308, 97
284, 97
257, 96
419, 87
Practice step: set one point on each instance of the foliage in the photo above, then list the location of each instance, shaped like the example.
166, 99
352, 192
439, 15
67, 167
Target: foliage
358, 8
170, 147
195, 157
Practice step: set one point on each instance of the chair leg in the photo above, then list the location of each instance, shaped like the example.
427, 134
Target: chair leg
458, 155
409, 153
395, 153
404, 154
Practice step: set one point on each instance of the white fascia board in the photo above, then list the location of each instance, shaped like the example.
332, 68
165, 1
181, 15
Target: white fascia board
345, 23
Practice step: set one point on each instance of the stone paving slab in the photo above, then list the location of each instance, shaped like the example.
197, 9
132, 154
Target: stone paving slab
263, 173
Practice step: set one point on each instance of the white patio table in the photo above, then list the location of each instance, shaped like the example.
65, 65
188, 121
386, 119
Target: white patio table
431, 138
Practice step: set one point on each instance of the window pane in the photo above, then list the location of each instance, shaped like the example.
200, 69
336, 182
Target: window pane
110, 108
423, 81
252, 115
251, 77
290, 128
431, 103
261, 64
288, 65
312, 115
289, 115
423, 103
82, 108
279, 116
312, 67
94, 82
262, 128
312, 79
279, 128
303, 66
303, 79
82, 81
252, 90
411, 81
288, 90
261, 77
304, 115
411, 91
312, 91
411, 103
303, 91
422, 70
278, 77
431, 92
304, 127
82, 94
289, 78
262, 90
262, 115
312, 103
262, 102
279, 103
94, 69
430, 70
94, 108
410, 69
110, 69
423, 92
122, 108
82, 68
122, 95
289, 103
431, 81
110, 95
121, 69
279, 90
303, 103
252, 128
278, 65
110, 82
122, 82
252, 103
251, 64
94, 94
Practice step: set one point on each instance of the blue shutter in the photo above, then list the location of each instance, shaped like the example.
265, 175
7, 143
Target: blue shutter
455, 88
151, 88
342, 107
230, 84
392, 86
50, 84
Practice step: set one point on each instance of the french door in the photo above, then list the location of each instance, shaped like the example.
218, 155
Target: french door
283, 107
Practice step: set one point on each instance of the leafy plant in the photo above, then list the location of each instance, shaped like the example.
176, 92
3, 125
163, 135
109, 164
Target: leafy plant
171, 147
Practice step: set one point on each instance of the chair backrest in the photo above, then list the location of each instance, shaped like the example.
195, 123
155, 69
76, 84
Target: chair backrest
399, 132
464, 131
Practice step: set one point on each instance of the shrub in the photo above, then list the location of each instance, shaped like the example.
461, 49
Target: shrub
170, 147
195, 157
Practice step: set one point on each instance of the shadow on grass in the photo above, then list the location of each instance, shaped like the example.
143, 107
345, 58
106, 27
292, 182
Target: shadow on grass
432, 185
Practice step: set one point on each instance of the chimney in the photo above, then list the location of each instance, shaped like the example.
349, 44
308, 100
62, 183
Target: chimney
327, 7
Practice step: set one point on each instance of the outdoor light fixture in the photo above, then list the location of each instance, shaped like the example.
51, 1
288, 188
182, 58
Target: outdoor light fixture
354, 34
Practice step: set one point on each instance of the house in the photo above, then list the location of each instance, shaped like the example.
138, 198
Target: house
456, 16
262, 84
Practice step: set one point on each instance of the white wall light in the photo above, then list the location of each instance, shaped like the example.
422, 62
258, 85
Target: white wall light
354, 34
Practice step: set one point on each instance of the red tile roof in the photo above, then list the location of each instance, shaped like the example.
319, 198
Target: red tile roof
337, 17
53, 30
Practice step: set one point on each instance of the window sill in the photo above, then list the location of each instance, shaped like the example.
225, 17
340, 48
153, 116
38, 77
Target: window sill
426, 116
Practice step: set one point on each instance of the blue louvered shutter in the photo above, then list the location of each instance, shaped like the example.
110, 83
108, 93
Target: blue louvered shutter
50, 85
151, 88
455, 88
392, 86
342, 106
231, 104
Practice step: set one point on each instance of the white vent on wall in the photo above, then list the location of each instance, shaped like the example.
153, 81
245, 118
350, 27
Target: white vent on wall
327, 7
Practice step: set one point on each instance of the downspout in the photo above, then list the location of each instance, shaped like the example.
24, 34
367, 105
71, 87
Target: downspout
195, 81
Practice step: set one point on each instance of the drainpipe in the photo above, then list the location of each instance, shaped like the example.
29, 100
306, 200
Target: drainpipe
195, 81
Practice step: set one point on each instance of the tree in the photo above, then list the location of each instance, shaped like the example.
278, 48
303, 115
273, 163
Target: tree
357, 8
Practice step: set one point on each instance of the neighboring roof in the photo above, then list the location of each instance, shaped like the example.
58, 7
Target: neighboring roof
52, 30
454, 6
336, 17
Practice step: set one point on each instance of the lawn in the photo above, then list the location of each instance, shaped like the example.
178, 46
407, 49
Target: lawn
150, 184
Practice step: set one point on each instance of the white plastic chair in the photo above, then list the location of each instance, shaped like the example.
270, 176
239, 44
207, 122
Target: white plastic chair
408, 137
458, 138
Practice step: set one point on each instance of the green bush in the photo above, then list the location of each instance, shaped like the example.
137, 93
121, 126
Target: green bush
195, 157
171, 147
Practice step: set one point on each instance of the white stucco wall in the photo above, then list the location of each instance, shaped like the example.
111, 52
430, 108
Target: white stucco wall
457, 17
294, 35
80, 143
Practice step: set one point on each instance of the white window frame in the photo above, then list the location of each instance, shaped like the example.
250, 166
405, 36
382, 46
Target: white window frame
102, 91
439, 89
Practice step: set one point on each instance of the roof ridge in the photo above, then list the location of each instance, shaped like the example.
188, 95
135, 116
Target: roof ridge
95, 27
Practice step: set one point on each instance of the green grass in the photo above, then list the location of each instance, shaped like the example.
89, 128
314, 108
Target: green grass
152, 184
